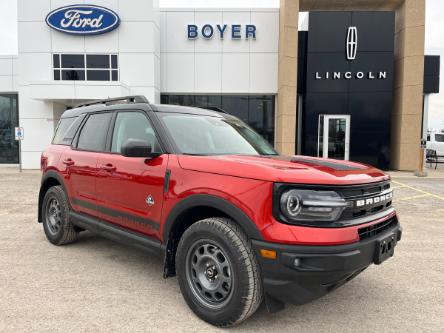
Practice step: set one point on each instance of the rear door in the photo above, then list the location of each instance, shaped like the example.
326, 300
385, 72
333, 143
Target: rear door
130, 189
81, 162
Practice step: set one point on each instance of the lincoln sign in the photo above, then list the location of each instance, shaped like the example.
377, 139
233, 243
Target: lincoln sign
83, 20
351, 47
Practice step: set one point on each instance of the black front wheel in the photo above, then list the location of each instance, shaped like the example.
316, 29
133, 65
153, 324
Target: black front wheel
55, 212
218, 272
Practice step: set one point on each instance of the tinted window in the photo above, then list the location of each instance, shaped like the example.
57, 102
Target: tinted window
73, 61
73, 75
133, 125
97, 61
439, 137
56, 60
97, 75
71, 131
115, 75
114, 61
93, 134
89, 67
62, 129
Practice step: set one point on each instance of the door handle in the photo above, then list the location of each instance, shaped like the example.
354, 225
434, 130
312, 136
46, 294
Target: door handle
68, 161
108, 167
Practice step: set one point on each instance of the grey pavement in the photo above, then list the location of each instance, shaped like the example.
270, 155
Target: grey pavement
95, 285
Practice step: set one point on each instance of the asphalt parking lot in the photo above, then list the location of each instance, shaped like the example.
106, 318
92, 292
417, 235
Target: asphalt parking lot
97, 285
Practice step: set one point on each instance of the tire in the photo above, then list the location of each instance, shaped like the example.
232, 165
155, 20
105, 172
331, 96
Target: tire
218, 272
55, 216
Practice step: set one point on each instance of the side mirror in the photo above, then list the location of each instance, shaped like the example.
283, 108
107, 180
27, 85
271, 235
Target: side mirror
137, 148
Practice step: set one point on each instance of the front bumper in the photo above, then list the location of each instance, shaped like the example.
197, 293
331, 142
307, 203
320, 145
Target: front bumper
320, 270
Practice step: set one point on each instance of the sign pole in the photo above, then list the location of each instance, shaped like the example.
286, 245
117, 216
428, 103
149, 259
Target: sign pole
422, 172
20, 155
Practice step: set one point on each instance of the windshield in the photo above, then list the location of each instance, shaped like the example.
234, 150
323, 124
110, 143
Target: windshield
207, 135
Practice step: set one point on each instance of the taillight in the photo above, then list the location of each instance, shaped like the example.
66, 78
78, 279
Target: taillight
43, 162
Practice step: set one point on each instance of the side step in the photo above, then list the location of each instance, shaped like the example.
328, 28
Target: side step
116, 233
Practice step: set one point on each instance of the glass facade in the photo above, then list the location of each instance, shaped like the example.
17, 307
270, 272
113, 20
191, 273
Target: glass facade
256, 110
9, 147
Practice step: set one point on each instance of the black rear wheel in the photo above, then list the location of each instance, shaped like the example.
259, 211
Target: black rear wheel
55, 212
218, 272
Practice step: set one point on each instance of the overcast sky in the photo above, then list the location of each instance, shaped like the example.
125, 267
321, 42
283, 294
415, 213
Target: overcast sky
434, 43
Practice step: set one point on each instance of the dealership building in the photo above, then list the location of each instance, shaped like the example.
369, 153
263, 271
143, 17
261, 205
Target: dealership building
350, 84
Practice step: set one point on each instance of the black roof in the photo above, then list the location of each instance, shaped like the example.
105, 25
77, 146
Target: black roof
137, 102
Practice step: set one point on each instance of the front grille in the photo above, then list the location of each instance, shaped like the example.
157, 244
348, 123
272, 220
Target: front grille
376, 229
363, 192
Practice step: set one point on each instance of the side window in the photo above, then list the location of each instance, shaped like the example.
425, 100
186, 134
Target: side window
133, 125
66, 130
428, 137
93, 134
62, 129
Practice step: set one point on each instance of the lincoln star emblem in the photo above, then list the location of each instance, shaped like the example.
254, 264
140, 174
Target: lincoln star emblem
352, 43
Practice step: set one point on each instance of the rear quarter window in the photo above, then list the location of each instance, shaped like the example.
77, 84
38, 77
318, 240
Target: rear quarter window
66, 130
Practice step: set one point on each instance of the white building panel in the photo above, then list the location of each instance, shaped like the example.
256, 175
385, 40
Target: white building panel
208, 72
176, 33
33, 37
263, 72
235, 72
106, 43
180, 72
35, 10
215, 70
137, 37
267, 39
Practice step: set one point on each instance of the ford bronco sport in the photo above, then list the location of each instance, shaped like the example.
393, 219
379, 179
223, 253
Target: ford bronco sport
238, 223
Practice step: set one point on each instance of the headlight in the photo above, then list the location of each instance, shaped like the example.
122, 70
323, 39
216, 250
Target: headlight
310, 205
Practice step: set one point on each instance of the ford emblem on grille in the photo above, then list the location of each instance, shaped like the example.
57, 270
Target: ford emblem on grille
380, 198
83, 19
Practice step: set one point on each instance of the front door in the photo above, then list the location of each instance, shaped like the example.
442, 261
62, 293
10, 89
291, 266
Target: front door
334, 136
130, 189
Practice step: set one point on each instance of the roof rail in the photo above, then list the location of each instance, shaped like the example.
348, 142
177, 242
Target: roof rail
108, 101
213, 108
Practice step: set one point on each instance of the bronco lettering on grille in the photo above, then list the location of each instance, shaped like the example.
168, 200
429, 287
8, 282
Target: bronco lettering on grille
374, 200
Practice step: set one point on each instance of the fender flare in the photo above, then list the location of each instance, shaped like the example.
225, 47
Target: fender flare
211, 201
51, 174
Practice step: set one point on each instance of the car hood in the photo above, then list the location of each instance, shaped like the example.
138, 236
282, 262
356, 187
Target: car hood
285, 169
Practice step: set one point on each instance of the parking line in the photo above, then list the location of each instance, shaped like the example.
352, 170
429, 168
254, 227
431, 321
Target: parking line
413, 197
418, 190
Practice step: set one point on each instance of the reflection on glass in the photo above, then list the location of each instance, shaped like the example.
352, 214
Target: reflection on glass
336, 138
321, 136
9, 153
256, 110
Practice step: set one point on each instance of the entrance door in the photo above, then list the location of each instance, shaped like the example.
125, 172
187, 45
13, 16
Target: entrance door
334, 136
9, 147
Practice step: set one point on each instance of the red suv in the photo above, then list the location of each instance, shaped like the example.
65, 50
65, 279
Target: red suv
237, 222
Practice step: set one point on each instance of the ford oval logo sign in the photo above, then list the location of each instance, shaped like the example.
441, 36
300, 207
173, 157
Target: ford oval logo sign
83, 19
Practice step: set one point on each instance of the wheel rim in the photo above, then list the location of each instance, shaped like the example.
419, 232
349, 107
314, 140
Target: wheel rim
209, 274
53, 216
